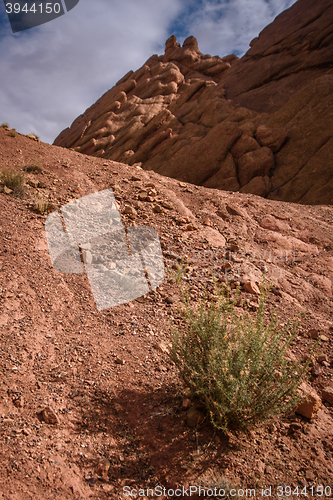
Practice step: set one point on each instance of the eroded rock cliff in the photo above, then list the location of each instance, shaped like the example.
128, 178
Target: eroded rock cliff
261, 124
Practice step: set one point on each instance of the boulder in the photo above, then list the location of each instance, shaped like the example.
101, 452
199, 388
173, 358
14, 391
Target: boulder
327, 395
311, 403
245, 144
255, 163
251, 287
271, 138
273, 224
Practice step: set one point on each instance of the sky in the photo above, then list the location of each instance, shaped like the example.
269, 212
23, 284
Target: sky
52, 73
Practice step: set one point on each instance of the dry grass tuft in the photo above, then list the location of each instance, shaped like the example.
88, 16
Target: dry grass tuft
13, 179
33, 169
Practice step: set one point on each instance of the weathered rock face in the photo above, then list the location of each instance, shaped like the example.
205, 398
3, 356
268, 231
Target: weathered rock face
261, 124
289, 53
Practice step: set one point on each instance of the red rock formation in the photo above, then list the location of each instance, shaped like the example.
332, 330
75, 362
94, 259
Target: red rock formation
289, 53
261, 124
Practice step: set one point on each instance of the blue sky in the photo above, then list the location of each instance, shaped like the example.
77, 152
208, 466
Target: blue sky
50, 74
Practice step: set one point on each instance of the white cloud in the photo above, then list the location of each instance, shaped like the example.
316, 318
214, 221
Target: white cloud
227, 26
51, 74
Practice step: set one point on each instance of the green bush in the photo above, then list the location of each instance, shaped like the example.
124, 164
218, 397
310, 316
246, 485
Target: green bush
13, 179
236, 365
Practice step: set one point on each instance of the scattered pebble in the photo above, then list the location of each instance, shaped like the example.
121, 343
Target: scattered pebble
49, 416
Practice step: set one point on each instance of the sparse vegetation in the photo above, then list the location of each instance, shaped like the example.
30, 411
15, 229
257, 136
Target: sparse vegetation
33, 169
13, 133
42, 206
12, 179
5, 125
236, 365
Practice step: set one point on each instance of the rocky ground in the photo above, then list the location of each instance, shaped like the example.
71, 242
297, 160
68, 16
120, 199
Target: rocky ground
89, 402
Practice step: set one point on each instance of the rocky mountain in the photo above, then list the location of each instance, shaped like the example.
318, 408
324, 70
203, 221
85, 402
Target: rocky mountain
261, 124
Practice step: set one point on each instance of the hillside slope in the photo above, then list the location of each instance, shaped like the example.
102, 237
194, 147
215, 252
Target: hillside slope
118, 417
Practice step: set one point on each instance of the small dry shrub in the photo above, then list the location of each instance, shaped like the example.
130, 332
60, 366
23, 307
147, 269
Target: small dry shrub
13, 133
5, 125
33, 169
13, 179
42, 206
236, 365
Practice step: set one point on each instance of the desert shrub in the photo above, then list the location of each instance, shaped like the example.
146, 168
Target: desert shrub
13, 179
5, 125
235, 364
42, 206
13, 133
33, 169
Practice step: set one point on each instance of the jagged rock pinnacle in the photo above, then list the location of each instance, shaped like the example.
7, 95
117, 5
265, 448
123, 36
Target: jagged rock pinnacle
261, 124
